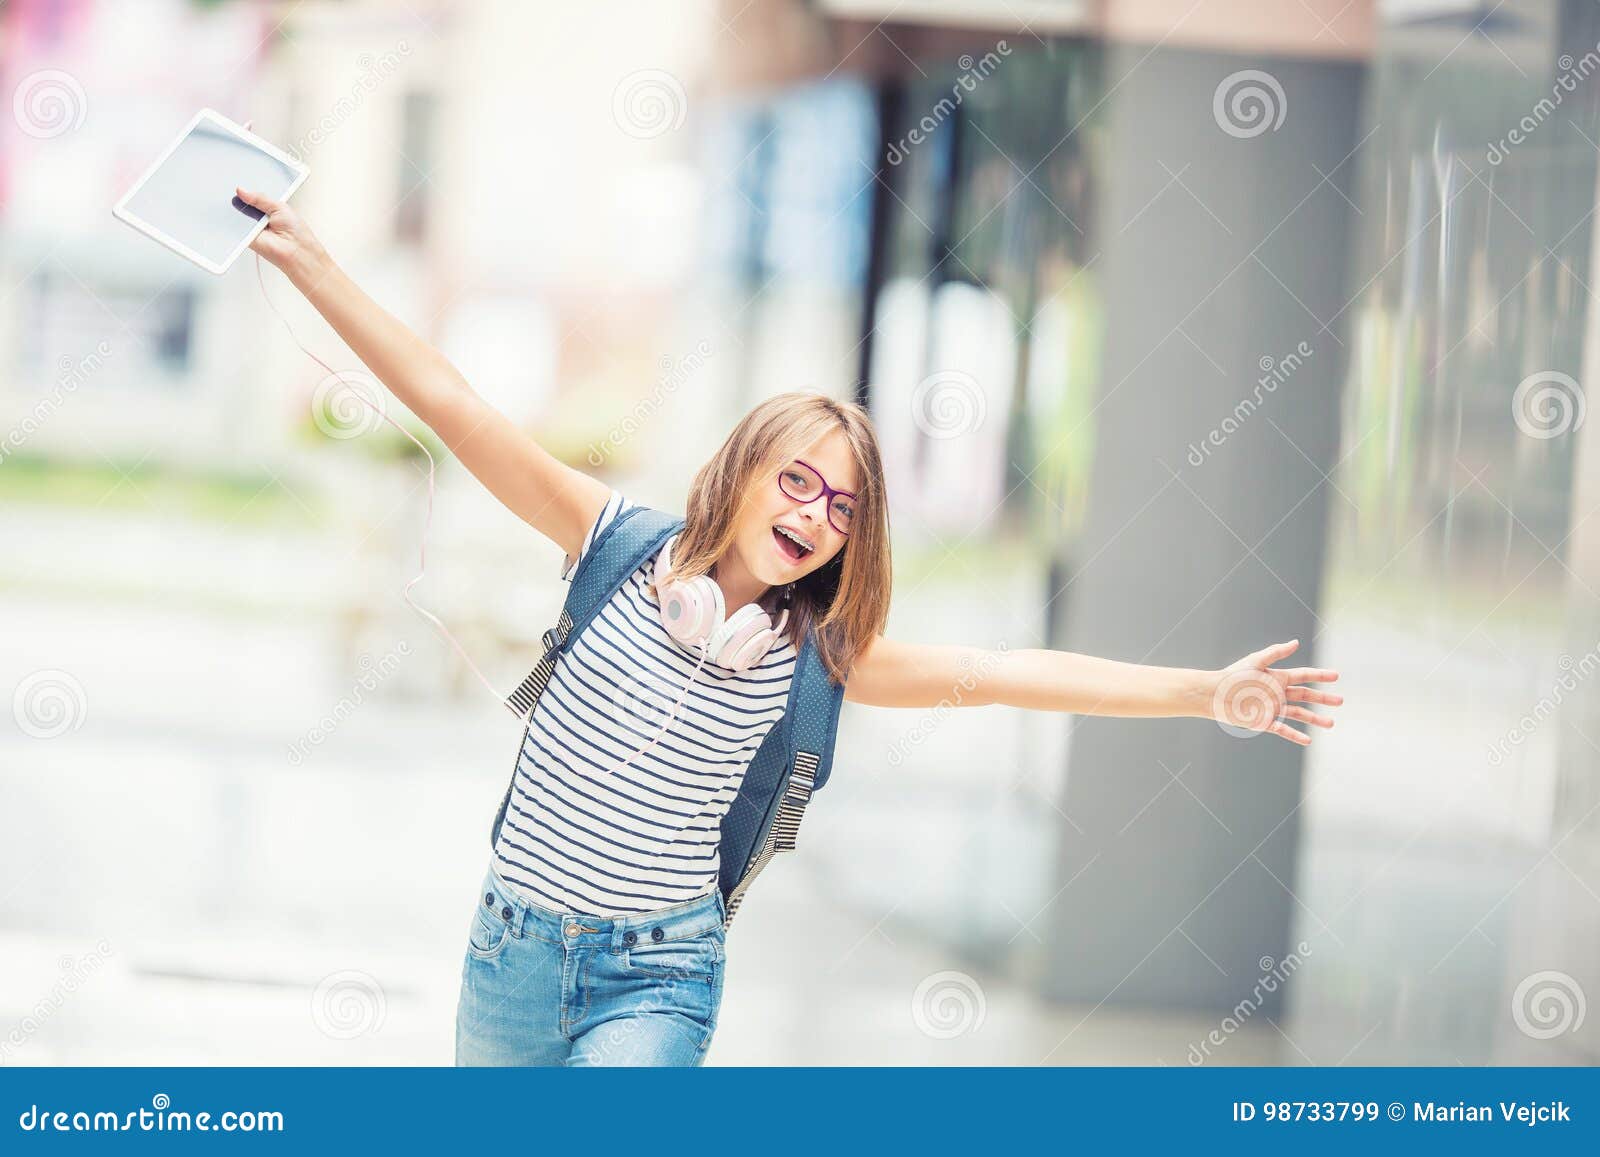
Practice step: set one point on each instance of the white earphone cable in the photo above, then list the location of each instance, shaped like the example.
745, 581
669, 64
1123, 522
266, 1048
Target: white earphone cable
422, 547
705, 653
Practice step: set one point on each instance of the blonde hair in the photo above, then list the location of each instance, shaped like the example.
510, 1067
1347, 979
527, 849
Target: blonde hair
845, 603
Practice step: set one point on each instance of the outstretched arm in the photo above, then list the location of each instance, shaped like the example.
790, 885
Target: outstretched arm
559, 501
1249, 694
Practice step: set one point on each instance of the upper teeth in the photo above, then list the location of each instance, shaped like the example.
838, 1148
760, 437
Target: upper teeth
787, 533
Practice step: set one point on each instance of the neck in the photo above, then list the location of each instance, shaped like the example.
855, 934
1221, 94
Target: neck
738, 585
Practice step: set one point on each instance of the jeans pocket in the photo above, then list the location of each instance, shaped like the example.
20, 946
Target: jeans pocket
690, 958
488, 936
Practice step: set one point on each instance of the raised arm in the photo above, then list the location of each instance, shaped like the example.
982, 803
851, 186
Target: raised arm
555, 499
1250, 694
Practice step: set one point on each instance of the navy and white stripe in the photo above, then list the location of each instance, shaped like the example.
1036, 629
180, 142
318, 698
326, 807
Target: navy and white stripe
580, 838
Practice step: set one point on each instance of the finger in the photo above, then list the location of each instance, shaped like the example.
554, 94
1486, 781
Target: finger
271, 245
1269, 655
1284, 731
1309, 675
1305, 716
259, 200
1309, 695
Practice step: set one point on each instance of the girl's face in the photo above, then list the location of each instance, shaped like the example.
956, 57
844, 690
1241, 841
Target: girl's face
772, 554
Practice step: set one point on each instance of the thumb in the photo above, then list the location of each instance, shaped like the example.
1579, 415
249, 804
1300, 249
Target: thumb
1270, 655
258, 200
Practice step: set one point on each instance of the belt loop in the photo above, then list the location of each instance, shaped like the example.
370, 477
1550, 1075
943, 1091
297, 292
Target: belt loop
509, 899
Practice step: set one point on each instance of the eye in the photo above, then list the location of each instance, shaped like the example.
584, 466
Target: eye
845, 508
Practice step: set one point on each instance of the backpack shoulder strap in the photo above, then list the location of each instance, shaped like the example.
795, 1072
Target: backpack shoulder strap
788, 767
813, 715
630, 539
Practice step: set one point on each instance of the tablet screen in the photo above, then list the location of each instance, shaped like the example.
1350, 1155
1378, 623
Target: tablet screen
189, 197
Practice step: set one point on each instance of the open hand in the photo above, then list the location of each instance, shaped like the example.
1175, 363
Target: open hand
1252, 696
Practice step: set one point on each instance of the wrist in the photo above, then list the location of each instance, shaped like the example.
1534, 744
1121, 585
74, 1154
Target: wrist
1199, 693
308, 266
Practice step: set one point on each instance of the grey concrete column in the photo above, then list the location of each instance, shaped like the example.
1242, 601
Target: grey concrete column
1224, 249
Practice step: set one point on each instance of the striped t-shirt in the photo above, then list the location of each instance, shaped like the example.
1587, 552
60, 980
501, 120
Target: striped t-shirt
579, 837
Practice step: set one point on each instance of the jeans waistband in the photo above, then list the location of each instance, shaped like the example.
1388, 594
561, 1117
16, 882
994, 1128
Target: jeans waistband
526, 918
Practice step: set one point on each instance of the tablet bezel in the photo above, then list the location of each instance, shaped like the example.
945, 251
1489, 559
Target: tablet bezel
121, 212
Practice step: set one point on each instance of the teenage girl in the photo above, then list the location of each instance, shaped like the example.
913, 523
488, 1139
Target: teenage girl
598, 934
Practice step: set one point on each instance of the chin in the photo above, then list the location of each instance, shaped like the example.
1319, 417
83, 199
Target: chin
765, 569
771, 576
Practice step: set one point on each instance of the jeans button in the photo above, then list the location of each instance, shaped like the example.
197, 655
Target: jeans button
488, 899
505, 913
629, 937
573, 930
656, 934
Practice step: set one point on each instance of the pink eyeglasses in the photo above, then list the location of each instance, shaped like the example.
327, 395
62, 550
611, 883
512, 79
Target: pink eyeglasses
802, 482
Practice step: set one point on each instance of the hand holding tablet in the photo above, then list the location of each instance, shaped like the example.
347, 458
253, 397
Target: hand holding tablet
189, 201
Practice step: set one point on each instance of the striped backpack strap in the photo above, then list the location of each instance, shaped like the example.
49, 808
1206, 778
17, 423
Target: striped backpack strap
627, 542
809, 729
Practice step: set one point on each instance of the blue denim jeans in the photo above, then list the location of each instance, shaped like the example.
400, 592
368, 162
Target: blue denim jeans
540, 987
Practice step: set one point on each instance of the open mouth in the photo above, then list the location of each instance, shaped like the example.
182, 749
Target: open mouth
794, 545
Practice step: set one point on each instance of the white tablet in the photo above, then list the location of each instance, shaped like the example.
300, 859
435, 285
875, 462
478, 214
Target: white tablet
186, 200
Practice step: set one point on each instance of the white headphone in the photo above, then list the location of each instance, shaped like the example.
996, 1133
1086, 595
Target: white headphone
693, 613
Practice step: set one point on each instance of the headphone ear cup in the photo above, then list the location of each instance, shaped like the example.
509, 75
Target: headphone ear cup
745, 639
753, 651
692, 610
